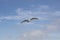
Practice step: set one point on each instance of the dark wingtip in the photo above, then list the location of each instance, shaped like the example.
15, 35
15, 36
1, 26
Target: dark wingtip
33, 18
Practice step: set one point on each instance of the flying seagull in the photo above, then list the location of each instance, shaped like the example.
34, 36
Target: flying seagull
25, 21
34, 19
29, 20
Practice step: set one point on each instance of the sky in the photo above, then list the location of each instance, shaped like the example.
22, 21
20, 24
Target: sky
12, 12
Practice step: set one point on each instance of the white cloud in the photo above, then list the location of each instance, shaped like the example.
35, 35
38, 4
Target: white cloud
52, 28
44, 7
39, 35
43, 12
36, 33
25, 14
22, 12
33, 35
30, 13
57, 13
10, 17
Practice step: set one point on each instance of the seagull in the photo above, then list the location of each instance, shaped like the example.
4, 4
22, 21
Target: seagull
29, 20
25, 21
34, 19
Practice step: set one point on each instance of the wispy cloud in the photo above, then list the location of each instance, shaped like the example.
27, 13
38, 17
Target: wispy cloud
44, 13
33, 35
22, 13
38, 35
51, 28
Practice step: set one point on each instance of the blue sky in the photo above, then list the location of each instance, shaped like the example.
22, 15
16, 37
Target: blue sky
12, 12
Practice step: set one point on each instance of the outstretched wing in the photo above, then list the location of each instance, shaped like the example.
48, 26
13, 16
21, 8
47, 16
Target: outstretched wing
34, 19
25, 21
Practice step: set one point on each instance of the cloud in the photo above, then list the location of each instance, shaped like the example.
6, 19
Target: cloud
26, 14
22, 12
43, 12
52, 28
10, 17
34, 11
33, 35
57, 13
38, 35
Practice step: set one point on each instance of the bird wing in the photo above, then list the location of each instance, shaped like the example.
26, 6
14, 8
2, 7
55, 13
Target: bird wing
33, 18
25, 21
